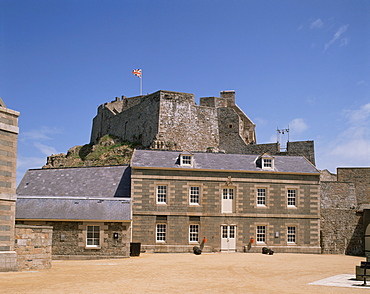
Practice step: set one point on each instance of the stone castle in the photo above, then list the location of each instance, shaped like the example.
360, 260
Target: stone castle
173, 121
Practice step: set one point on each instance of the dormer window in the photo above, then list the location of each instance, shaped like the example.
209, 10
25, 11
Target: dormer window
266, 162
186, 159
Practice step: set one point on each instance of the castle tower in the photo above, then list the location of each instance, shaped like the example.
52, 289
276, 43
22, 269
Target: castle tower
173, 121
8, 158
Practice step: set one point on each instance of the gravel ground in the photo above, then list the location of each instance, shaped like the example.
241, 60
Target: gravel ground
187, 273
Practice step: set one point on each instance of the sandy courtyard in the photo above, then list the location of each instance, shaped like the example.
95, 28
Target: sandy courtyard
188, 273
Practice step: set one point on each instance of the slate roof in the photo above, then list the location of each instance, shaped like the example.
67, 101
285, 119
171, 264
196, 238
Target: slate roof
46, 208
107, 181
93, 193
221, 162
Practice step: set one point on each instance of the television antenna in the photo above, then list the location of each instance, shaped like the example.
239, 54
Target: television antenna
284, 134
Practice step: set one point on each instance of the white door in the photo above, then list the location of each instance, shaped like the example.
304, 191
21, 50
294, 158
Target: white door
227, 200
228, 234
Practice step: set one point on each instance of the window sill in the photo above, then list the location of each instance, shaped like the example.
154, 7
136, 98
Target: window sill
93, 247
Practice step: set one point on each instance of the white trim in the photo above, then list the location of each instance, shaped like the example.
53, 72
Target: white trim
163, 232
164, 193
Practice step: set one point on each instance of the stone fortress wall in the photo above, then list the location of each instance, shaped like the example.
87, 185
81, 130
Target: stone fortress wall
173, 121
344, 198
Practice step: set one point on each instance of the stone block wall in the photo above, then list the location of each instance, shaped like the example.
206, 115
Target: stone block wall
172, 121
341, 226
299, 148
361, 178
69, 240
342, 220
33, 245
185, 126
178, 213
8, 161
134, 122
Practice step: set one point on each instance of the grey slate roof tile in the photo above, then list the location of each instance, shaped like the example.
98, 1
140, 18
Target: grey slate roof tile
93, 193
220, 161
44, 208
107, 181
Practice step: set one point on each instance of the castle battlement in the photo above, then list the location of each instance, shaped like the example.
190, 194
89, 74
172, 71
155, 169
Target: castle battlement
169, 120
173, 121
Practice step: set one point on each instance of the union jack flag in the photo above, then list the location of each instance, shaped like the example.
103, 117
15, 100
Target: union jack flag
137, 72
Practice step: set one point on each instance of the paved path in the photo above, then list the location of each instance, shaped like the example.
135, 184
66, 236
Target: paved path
188, 273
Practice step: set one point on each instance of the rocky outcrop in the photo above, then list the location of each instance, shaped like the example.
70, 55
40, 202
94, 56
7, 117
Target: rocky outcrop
110, 150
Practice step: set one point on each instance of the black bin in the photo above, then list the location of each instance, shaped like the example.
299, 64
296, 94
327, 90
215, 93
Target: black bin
135, 249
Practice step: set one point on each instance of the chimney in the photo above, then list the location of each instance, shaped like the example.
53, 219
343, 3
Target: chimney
229, 95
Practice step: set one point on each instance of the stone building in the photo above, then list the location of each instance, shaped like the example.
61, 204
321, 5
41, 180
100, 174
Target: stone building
8, 156
345, 210
88, 208
172, 120
167, 120
231, 200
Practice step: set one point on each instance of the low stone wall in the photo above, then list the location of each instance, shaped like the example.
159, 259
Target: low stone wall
33, 246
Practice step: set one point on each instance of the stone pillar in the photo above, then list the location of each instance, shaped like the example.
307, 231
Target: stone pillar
8, 163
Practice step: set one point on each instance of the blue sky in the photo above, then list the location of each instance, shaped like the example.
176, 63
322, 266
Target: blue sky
302, 64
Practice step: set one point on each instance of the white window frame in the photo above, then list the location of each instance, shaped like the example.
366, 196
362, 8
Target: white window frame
261, 196
267, 163
261, 234
94, 239
161, 194
160, 232
194, 233
292, 235
228, 195
290, 198
186, 160
194, 195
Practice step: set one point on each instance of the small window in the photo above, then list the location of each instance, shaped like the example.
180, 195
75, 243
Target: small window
266, 163
194, 195
186, 159
92, 236
161, 233
161, 194
261, 196
261, 234
291, 235
292, 195
194, 233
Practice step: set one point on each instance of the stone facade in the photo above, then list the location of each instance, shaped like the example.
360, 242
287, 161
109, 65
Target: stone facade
33, 245
168, 120
178, 214
343, 197
69, 239
172, 121
8, 156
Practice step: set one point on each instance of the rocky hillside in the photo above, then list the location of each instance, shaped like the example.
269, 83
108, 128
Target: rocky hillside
110, 150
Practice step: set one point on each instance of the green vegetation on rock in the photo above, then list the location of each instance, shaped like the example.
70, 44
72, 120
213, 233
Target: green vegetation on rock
110, 150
